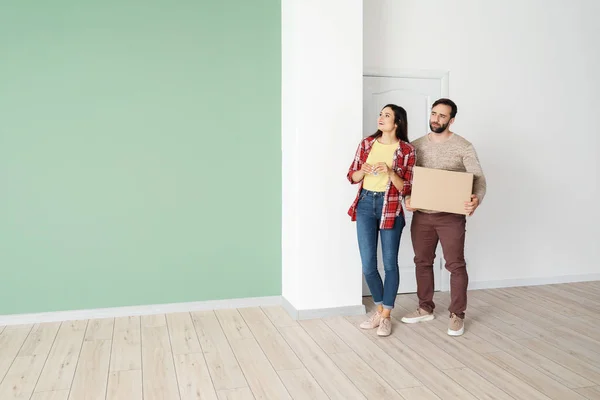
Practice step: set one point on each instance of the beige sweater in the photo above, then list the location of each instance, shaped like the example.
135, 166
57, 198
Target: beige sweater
454, 154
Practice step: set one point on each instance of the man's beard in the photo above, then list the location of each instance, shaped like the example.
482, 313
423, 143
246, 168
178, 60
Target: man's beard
439, 129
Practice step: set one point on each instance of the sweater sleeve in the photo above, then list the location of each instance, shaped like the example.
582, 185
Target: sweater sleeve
472, 165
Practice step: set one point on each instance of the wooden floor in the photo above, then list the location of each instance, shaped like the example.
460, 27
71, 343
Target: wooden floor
528, 343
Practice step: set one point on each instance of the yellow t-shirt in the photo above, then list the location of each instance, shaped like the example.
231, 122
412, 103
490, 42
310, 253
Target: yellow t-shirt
379, 153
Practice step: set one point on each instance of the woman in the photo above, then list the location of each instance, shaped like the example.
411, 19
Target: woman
382, 168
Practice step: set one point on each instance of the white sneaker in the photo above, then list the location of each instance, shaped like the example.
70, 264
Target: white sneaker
456, 326
419, 315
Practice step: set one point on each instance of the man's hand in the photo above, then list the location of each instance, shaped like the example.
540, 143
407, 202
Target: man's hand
471, 206
407, 204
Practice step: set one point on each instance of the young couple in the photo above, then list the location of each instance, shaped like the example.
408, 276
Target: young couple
382, 168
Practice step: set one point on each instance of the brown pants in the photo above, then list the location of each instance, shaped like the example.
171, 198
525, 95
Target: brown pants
449, 229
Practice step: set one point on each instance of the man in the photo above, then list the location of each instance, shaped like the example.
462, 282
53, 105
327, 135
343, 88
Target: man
443, 149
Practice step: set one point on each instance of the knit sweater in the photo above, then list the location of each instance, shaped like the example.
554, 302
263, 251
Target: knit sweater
454, 154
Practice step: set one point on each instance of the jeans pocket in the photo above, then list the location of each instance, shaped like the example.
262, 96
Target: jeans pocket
361, 197
360, 204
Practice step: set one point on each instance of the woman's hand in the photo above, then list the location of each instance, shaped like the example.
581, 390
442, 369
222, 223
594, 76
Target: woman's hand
383, 167
359, 175
367, 168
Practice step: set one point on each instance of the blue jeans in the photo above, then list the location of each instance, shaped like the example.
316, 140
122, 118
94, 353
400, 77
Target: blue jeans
368, 218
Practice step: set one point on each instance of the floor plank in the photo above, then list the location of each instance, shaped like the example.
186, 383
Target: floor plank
62, 361
279, 317
260, 375
100, 329
11, 341
436, 356
127, 345
20, 381
368, 380
554, 316
476, 385
418, 393
91, 375
270, 340
183, 335
494, 374
159, 380
591, 393
515, 321
581, 290
258, 371
324, 336
333, 381
40, 339
236, 394
543, 328
233, 325
533, 378
390, 370
575, 364
302, 385
53, 395
21, 378
565, 297
124, 385
222, 364
193, 377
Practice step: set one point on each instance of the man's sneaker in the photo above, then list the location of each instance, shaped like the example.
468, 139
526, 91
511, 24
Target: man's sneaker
456, 327
419, 315
373, 321
385, 327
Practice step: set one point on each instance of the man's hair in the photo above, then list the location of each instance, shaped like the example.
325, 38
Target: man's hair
449, 103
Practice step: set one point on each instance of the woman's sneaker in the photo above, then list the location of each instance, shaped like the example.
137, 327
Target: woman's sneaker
385, 327
373, 321
419, 315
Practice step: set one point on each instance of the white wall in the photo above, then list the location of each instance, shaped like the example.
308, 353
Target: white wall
525, 76
321, 127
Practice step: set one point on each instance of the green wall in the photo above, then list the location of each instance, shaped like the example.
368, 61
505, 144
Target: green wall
140, 152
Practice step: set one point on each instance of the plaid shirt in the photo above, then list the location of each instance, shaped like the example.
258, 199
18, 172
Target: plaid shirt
402, 163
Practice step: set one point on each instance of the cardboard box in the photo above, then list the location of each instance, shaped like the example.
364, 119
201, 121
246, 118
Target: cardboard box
440, 190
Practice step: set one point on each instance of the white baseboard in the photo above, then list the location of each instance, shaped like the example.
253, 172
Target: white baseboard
59, 316
322, 312
533, 281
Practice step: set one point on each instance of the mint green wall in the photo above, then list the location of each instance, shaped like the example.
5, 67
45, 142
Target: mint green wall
140, 152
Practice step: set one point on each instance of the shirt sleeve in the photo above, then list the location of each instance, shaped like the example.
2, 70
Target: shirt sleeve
406, 172
357, 162
472, 165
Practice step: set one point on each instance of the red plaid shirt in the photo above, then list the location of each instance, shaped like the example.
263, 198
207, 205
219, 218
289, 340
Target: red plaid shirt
402, 163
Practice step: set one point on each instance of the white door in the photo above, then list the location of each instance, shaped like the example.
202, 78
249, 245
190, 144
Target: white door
415, 94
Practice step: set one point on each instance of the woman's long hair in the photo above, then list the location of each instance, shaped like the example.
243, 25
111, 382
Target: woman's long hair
401, 122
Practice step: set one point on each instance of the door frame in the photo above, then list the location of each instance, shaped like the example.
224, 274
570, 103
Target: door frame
444, 77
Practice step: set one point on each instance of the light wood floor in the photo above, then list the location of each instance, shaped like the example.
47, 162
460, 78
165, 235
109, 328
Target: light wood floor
526, 343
